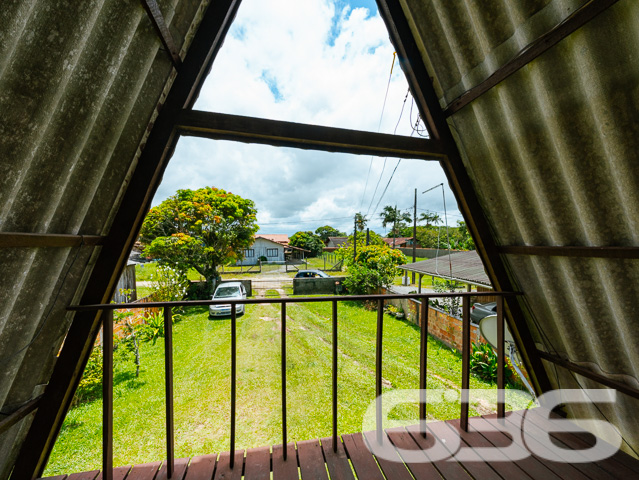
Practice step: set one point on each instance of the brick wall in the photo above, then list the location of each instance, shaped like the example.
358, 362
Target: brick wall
442, 326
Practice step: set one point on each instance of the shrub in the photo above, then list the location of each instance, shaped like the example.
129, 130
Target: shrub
483, 363
90, 386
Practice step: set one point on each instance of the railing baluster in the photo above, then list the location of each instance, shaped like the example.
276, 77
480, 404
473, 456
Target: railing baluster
501, 397
233, 382
107, 394
284, 441
465, 362
423, 365
168, 377
334, 375
378, 370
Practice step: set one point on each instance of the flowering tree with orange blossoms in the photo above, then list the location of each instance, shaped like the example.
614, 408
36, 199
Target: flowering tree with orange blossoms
200, 229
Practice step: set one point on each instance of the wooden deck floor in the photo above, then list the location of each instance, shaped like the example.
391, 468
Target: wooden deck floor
315, 459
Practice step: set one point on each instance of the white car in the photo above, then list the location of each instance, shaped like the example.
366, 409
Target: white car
230, 291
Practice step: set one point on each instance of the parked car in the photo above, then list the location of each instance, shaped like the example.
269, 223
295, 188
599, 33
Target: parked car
481, 310
311, 274
230, 291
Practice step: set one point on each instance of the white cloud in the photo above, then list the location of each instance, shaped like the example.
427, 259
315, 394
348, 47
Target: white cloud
308, 62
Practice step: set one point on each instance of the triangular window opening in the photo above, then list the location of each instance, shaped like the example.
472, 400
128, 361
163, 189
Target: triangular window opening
319, 63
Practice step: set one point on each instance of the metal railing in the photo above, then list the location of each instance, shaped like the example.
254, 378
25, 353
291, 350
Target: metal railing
107, 384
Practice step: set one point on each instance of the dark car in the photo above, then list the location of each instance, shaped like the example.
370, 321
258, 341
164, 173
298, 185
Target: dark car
481, 310
311, 274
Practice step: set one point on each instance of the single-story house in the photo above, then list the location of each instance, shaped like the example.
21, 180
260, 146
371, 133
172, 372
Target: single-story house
400, 242
263, 247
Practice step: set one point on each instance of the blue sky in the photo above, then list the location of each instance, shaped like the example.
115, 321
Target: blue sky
323, 62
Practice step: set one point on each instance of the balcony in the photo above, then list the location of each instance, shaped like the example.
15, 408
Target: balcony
519, 444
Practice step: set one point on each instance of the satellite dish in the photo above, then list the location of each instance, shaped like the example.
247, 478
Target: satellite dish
488, 330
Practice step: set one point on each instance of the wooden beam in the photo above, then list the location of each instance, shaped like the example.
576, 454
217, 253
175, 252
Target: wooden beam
578, 19
584, 372
423, 91
221, 126
563, 251
124, 231
37, 240
19, 414
157, 19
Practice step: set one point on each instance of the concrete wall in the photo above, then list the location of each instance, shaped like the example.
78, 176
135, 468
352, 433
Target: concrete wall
316, 286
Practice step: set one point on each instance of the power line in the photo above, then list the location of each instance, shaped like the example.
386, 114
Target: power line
390, 76
382, 173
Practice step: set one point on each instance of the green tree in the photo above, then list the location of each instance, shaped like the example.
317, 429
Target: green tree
398, 219
200, 229
431, 218
360, 221
308, 241
375, 266
328, 231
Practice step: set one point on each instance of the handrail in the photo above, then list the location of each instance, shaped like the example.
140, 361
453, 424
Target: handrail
107, 414
253, 301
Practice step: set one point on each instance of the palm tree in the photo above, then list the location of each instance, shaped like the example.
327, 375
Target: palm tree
392, 216
360, 221
431, 218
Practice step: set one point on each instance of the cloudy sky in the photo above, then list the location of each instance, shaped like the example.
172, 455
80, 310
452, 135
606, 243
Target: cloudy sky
323, 62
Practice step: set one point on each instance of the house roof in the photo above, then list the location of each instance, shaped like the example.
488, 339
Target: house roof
397, 240
465, 267
275, 237
338, 241
269, 240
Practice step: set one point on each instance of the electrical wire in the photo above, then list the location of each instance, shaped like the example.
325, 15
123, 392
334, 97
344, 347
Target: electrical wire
46, 318
379, 126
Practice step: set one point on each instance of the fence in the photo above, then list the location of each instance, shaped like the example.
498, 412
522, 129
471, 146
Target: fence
107, 383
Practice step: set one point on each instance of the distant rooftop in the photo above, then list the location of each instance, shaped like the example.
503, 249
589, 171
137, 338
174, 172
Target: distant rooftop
467, 267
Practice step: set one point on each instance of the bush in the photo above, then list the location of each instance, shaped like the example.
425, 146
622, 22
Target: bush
483, 363
90, 386
375, 267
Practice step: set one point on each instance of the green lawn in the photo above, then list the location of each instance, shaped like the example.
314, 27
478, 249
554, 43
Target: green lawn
202, 394
144, 271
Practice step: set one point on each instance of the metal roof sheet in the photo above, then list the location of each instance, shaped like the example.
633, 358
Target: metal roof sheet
80, 84
553, 154
458, 266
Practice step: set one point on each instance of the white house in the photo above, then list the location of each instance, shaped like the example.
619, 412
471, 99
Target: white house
263, 247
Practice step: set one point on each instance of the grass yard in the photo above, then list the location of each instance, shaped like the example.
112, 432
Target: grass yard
144, 272
202, 379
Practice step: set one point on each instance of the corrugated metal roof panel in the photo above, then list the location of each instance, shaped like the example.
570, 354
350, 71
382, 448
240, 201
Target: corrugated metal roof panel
552, 152
462, 266
80, 85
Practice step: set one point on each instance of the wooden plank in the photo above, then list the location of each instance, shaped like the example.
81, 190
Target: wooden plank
257, 465
159, 24
571, 251
449, 469
577, 471
84, 475
119, 473
285, 469
362, 459
221, 126
529, 464
531, 51
394, 467
201, 467
475, 465
336, 461
312, 466
585, 372
145, 471
505, 467
420, 470
179, 470
224, 471
620, 465
39, 240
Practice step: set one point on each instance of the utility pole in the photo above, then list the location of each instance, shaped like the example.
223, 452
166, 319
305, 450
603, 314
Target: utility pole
395, 226
414, 235
355, 238
368, 237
